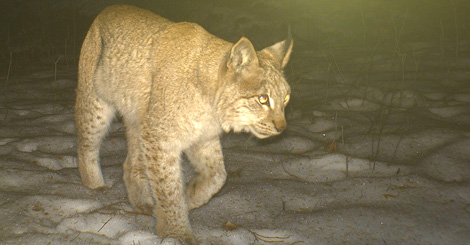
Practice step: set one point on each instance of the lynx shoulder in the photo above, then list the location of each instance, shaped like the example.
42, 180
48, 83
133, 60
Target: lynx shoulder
177, 87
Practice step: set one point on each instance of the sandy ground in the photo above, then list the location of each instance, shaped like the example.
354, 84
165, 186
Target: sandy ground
376, 159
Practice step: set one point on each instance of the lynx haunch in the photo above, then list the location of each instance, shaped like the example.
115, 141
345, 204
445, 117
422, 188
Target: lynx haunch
177, 87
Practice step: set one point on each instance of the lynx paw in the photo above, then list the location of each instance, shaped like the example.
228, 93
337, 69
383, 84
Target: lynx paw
197, 194
144, 208
94, 183
183, 235
142, 204
181, 240
202, 188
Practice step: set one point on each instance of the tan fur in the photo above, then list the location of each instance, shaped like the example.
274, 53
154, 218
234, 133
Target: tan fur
177, 87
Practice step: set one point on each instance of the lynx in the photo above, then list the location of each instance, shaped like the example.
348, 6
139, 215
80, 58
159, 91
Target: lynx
177, 88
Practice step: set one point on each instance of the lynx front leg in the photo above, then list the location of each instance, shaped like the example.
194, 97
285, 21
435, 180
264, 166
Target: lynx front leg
92, 119
207, 159
165, 179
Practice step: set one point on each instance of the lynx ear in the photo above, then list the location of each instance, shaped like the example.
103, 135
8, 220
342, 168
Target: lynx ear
242, 55
281, 51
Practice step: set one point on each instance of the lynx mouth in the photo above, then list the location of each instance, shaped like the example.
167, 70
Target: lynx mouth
262, 134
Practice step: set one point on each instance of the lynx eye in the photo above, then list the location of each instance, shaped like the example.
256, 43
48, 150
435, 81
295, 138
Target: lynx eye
263, 99
286, 99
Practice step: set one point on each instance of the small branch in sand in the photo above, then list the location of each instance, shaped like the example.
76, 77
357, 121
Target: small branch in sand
105, 223
55, 79
265, 238
456, 21
6, 86
333, 55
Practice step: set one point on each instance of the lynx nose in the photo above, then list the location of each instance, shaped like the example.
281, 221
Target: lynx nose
280, 125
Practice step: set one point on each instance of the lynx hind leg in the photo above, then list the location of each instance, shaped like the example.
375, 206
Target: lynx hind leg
207, 160
135, 175
92, 118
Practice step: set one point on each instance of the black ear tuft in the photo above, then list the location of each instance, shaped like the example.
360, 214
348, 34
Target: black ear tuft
281, 51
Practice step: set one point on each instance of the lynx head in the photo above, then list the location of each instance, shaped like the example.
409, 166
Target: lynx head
256, 91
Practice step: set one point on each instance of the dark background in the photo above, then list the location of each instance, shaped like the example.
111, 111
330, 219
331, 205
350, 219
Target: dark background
42, 32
